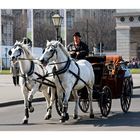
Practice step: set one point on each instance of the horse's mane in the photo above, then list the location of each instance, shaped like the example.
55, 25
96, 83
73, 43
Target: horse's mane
64, 50
26, 50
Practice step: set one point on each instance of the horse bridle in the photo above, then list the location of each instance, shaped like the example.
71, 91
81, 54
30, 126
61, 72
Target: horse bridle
20, 50
53, 52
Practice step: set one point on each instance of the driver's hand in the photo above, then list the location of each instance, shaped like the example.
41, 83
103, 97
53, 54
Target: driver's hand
77, 53
72, 52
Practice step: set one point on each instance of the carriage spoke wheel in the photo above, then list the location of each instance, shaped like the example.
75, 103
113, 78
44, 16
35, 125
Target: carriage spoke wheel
84, 104
126, 95
105, 101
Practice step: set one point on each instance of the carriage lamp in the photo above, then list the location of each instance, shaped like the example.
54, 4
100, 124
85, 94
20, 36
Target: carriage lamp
57, 19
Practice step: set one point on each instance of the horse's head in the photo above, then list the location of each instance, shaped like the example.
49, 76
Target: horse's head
50, 52
16, 51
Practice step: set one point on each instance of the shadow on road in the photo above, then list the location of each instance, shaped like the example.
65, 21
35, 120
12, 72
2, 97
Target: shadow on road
119, 119
136, 96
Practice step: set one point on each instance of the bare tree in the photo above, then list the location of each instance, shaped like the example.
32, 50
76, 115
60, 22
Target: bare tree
19, 24
43, 27
96, 29
42, 33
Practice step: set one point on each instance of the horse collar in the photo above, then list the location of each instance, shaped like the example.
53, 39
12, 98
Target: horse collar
63, 70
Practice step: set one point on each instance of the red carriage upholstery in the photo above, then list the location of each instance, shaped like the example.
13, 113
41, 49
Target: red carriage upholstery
114, 58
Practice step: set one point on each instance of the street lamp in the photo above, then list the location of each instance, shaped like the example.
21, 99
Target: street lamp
57, 19
6, 49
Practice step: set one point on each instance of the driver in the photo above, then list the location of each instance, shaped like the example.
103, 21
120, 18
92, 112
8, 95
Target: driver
78, 49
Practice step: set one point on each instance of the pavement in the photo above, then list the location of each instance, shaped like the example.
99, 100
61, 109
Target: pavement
11, 95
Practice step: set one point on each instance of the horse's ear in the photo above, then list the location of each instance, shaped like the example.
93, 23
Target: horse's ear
47, 42
16, 41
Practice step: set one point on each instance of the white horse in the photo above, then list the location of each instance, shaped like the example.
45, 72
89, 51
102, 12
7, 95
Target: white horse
31, 80
69, 76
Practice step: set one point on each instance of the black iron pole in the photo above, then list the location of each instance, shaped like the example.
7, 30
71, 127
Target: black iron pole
87, 31
57, 30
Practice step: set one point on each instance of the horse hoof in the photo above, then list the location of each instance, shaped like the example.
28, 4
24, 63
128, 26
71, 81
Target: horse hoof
75, 116
67, 117
25, 122
31, 109
62, 120
91, 116
47, 117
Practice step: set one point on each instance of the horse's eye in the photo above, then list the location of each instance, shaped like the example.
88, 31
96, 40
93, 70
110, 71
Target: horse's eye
9, 52
20, 50
51, 50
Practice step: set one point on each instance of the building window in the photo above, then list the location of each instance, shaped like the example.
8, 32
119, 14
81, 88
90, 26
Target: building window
131, 19
122, 19
69, 20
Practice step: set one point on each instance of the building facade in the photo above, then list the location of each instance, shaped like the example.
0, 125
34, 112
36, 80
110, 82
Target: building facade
95, 26
128, 33
7, 27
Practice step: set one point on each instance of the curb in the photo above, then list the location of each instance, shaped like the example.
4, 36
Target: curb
20, 102
136, 87
11, 103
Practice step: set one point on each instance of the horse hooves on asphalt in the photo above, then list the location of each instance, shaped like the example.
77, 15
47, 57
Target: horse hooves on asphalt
91, 116
64, 118
67, 117
25, 122
75, 116
47, 117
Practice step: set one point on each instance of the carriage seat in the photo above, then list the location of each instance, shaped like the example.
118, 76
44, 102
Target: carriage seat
113, 58
114, 61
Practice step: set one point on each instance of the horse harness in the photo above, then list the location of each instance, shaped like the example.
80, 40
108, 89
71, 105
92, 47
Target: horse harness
25, 75
64, 69
43, 78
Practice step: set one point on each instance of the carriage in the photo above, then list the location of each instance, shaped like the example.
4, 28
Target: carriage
113, 80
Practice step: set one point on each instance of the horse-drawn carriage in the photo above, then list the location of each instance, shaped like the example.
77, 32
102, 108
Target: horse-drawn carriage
112, 80
105, 77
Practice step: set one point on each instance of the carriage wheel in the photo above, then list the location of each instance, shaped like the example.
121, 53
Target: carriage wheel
105, 101
126, 95
83, 104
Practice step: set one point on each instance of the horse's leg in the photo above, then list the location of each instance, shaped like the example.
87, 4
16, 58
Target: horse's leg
30, 97
60, 97
76, 98
90, 101
47, 93
65, 115
26, 105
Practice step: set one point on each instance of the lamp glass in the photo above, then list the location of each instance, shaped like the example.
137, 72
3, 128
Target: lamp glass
57, 20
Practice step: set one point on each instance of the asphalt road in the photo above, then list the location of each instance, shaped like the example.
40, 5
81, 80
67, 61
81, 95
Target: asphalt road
11, 118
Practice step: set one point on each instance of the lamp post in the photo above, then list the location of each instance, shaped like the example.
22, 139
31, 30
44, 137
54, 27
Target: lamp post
57, 19
6, 49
